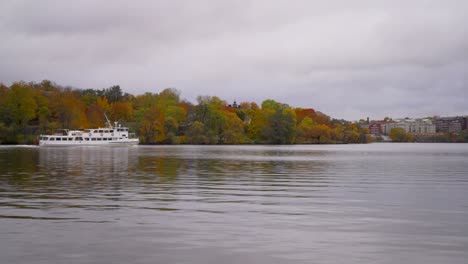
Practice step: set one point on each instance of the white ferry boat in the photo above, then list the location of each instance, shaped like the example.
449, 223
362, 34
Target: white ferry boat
110, 135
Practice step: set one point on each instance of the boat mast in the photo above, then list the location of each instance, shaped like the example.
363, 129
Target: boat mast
108, 122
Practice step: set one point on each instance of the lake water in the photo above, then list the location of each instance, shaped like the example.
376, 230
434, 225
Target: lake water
375, 203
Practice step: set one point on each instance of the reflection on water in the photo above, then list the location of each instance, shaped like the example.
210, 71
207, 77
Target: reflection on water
384, 203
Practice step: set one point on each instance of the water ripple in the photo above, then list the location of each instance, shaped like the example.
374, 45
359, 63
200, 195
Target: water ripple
379, 203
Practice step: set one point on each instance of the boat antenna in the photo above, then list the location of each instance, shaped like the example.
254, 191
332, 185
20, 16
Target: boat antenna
108, 122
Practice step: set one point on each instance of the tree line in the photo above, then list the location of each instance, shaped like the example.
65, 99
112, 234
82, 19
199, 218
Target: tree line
30, 109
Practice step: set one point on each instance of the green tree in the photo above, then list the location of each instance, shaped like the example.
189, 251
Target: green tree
113, 94
20, 105
463, 136
271, 104
196, 134
280, 126
209, 113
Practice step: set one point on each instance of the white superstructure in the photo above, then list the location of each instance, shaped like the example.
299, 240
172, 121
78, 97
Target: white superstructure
117, 135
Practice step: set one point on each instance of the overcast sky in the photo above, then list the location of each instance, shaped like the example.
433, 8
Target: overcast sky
349, 59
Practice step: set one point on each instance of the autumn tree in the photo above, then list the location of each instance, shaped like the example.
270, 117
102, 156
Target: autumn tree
149, 118
4, 90
255, 120
398, 134
234, 130
164, 113
27, 109
302, 113
121, 111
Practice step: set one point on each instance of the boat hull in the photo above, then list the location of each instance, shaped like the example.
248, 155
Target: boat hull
127, 142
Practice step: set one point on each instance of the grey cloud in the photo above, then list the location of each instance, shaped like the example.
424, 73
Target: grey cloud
350, 59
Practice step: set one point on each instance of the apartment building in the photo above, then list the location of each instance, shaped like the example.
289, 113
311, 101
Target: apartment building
415, 126
450, 124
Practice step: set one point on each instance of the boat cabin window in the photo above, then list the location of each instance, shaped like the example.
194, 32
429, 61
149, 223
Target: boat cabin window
112, 131
52, 138
93, 139
100, 131
78, 138
70, 139
99, 139
87, 139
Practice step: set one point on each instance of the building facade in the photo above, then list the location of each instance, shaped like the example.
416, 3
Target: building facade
414, 126
376, 127
450, 124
